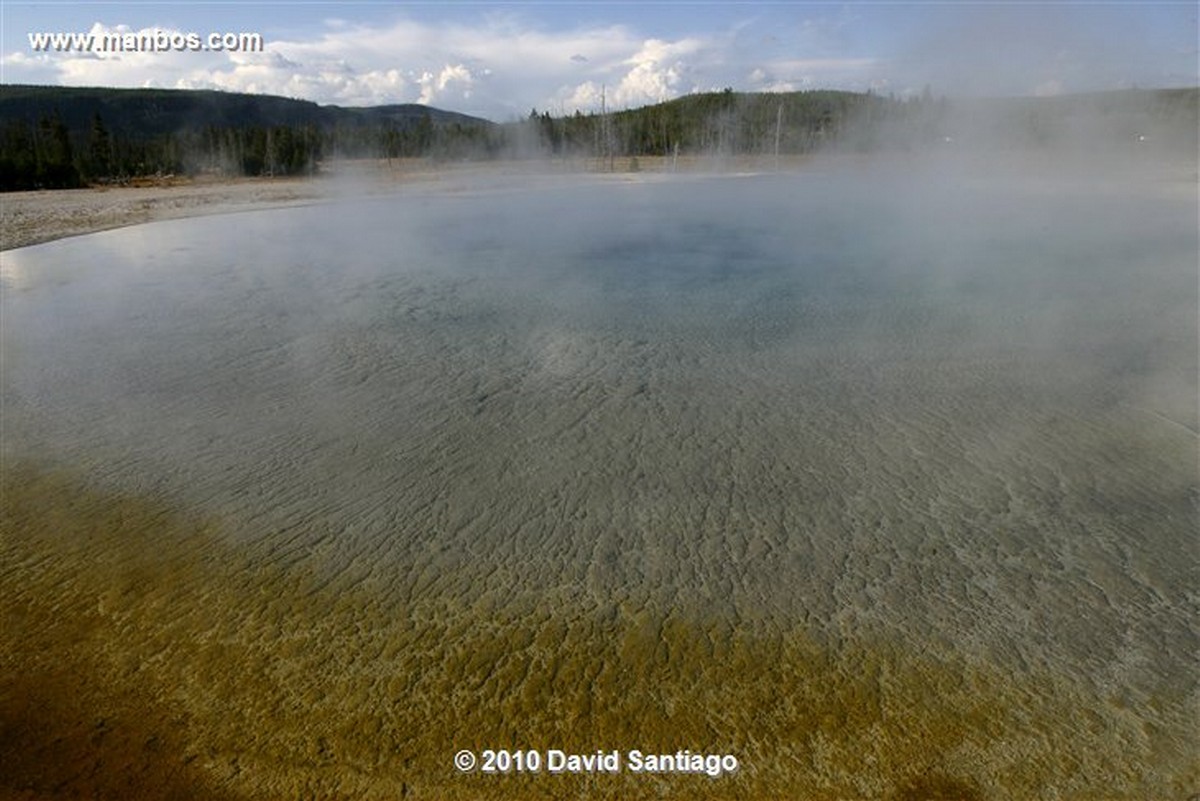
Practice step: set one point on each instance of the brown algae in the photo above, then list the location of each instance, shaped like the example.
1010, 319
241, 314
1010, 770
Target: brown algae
147, 656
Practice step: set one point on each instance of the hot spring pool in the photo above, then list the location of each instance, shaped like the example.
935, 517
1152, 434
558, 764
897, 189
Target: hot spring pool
885, 485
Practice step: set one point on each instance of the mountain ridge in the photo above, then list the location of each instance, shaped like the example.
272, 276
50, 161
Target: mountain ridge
152, 111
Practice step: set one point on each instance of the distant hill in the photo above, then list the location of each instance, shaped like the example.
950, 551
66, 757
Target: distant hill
153, 112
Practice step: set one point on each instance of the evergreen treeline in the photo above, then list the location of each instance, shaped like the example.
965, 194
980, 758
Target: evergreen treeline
715, 123
45, 154
54, 137
731, 123
45, 142
40, 155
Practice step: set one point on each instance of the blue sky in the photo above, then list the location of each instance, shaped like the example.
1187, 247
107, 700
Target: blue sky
499, 60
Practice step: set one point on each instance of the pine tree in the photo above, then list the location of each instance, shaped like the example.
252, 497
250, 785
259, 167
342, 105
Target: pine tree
99, 164
18, 157
56, 163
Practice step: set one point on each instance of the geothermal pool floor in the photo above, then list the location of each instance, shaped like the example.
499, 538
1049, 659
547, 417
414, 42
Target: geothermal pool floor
887, 499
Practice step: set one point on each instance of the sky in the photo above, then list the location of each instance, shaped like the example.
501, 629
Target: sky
501, 60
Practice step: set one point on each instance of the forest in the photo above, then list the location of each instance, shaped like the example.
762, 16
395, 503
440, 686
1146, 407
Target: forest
59, 137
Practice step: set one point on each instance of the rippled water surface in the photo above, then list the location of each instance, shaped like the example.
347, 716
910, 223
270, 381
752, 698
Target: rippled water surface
886, 485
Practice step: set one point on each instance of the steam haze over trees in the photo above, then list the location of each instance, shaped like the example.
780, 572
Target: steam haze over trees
65, 137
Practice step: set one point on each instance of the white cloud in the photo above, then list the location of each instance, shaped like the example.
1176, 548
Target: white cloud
658, 71
499, 67
792, 75
452, 81
496, 68
113, 68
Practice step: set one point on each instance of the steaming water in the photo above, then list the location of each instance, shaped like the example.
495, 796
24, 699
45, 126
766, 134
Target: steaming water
887, 487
